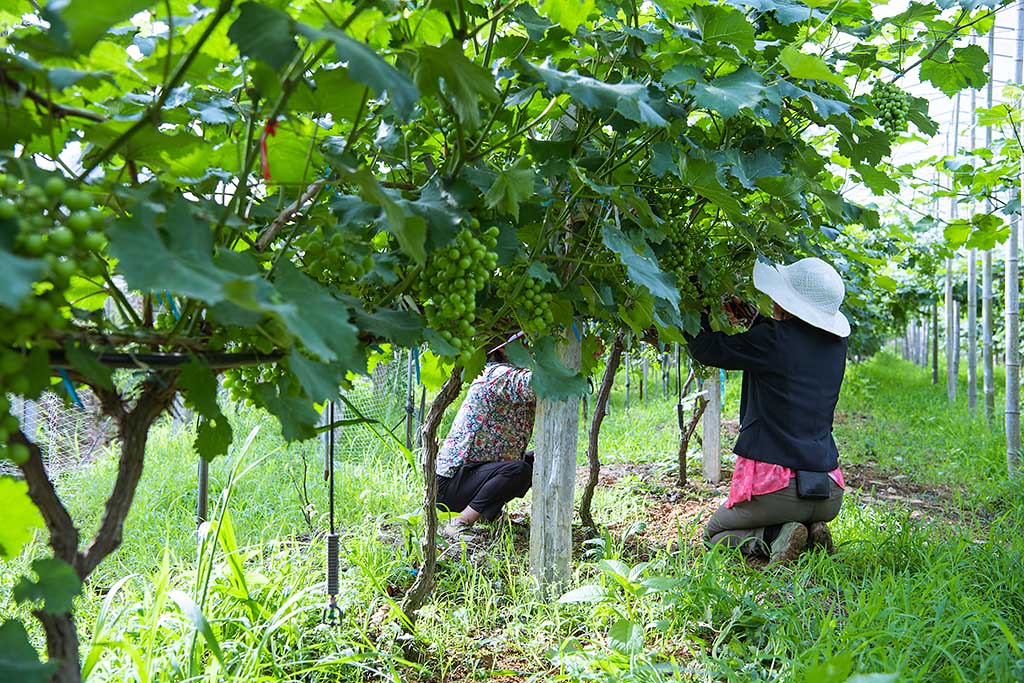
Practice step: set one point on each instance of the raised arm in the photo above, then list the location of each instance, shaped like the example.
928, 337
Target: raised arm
750, 350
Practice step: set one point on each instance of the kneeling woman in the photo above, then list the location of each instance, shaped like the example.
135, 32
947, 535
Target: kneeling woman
483, 463
786, 485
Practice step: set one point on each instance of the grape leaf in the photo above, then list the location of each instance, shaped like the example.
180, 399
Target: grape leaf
184, 253
877, 181
951, 73
21, 517
404, 328
742, 89
296, 414
367, 67
56, 588
725, 25
511, 186
320, 381
19, 274
315, 317
550, 378
76, 25
410, 230
568, 14
749, 167
786, 11
641, 263
809, 67
214, 435
446, 73
264, 33
600, 96
19, 661
536, 26
701, 176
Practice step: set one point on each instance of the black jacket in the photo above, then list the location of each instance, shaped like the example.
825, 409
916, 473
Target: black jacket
792, 373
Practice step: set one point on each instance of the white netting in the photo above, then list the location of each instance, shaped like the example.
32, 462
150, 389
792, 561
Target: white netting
383, 398
70, 436
67, 435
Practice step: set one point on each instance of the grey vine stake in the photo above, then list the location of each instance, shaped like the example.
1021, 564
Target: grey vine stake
1013, 301
554, 481
712, 436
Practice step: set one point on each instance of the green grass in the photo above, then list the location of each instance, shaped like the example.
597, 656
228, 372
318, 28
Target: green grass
927, 597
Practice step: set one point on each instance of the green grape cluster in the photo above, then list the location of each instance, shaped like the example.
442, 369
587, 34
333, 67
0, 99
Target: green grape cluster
241, 382
57, 229
329, 259
451, 282
676, 259
893, 106
532, 305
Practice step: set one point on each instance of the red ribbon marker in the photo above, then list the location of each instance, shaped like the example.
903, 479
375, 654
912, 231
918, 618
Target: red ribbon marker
269, 129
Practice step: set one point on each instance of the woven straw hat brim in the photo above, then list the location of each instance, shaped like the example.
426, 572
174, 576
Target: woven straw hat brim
773, 282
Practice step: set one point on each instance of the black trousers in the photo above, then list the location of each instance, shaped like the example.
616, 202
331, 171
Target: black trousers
485, 487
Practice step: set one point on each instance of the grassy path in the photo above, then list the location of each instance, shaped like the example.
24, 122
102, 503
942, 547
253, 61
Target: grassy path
928, 583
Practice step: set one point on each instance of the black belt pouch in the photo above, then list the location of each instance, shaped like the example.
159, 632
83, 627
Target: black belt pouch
813, 485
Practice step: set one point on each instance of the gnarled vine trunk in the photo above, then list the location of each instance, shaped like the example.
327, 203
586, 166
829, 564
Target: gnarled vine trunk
424, 582
62, 643
600, 410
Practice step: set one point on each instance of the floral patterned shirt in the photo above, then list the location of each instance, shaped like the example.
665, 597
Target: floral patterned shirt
493, 423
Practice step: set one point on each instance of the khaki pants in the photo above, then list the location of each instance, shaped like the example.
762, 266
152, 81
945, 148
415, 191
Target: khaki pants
742, 526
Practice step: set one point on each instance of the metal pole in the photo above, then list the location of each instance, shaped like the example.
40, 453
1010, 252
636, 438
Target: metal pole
628, 368
987, 348
644, 387
203, 492
410, 405
1012, 417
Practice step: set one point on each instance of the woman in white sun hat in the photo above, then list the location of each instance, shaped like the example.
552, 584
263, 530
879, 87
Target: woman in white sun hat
786, 484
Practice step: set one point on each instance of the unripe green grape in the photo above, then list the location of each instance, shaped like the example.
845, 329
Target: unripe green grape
76, 200
80, 222
62, 238
94, 241
54, 187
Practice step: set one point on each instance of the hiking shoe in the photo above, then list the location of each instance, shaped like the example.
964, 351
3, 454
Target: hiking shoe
791, 541
819, 536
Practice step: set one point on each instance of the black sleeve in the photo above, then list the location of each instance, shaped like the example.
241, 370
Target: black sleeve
750, 350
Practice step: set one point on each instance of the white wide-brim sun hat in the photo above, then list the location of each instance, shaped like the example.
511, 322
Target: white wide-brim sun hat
809, 289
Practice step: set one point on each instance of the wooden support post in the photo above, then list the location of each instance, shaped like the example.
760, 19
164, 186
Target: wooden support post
712, 434
554, 481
